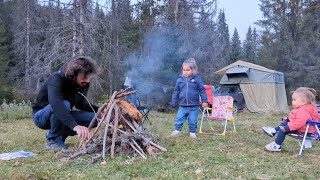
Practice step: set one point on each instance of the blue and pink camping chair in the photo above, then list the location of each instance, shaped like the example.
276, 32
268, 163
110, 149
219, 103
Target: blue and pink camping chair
305, 138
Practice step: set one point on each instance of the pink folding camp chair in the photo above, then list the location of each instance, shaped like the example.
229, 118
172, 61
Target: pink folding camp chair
222, 110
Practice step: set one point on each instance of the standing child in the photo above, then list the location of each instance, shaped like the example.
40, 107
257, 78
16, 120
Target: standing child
303, 104
186, 94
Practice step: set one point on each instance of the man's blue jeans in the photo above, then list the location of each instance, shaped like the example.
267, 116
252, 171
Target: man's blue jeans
187, 112
47, 119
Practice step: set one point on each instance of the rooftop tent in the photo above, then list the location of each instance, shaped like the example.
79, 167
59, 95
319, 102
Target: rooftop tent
263, 89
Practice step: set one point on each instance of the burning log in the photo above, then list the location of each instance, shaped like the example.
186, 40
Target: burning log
126, 134
130, 109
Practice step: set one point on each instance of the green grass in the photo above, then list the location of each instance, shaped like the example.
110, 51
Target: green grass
240, 156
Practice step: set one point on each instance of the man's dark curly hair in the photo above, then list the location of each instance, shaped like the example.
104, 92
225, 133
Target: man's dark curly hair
80, 64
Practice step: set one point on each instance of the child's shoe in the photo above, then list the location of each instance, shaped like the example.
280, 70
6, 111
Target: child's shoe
193, 135
175, 133
269, 131
273, 147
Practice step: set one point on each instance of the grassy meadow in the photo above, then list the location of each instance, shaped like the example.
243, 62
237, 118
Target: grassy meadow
239, 156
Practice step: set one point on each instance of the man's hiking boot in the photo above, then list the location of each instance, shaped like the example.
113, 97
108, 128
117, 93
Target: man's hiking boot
55, 145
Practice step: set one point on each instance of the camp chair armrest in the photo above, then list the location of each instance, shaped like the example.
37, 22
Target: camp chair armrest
230, 108
313, 123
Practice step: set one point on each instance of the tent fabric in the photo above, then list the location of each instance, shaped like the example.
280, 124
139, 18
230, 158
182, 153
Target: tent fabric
263, 89
252, 76
264, 98
237, 70
245, 64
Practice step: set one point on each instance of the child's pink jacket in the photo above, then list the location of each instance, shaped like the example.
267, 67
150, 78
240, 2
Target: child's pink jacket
298, 118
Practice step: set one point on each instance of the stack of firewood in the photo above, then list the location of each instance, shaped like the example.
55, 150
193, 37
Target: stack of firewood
119, 130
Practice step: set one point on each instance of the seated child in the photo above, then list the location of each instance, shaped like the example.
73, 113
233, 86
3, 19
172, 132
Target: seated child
304, 108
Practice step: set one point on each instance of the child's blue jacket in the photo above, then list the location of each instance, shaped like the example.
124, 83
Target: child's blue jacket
187, 91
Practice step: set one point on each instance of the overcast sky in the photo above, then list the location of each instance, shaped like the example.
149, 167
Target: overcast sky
241, 14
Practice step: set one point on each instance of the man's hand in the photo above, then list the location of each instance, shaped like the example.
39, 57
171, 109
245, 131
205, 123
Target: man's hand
282, 129
83, 132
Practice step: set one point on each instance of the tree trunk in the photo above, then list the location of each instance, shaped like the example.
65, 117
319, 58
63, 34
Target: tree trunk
81, 25
109, 67
27, 60
176, 11
74, 29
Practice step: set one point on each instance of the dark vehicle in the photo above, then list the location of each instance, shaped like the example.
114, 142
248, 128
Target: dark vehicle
235, 92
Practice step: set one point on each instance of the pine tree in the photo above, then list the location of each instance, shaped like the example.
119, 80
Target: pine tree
222, 40
255, 44
236, 50
5, 89
289, 40
4, 52
204, 54
248, 47
310, 44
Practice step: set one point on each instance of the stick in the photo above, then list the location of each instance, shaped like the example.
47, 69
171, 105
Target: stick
108, 103
125, 94
143, 156
154, 144
102, 107
129, 124
114, 135
135, 142
118, 130
84, 143
82, 152
137, 126
106, 130
95, 159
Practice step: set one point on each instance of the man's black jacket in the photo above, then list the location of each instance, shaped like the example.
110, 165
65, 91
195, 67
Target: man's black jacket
58, 88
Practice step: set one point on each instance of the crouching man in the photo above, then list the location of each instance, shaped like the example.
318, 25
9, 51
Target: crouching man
60, 93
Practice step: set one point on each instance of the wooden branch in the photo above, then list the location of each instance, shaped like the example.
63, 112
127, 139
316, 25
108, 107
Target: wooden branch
118, 129
154, 144
135, 142
95, 159
82, 152
137, 126
129, 124
114, 135
143, 156
106, 130
126, 94
130, 109
105, 105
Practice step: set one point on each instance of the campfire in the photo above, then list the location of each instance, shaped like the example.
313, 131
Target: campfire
119, 131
